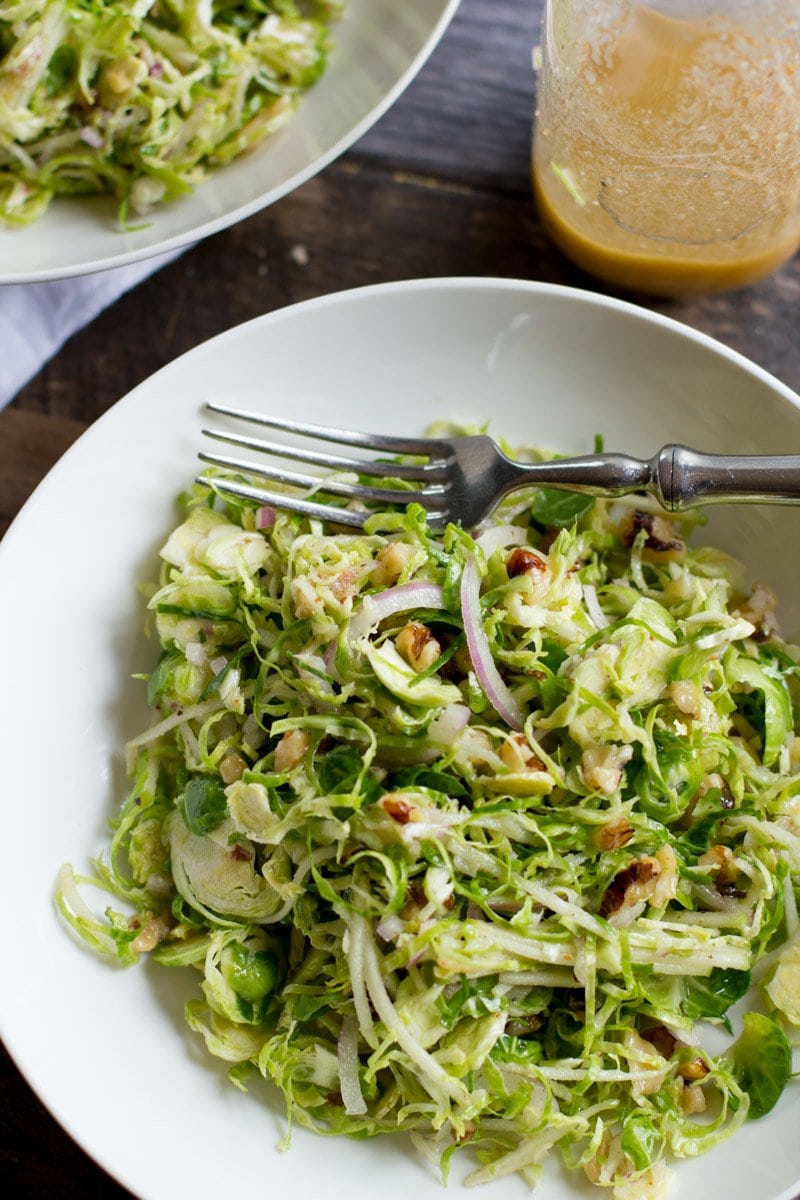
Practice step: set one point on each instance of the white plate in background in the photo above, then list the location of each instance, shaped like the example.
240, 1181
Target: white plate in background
106, 1049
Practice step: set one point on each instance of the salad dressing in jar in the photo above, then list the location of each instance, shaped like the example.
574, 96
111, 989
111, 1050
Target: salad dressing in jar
667, 142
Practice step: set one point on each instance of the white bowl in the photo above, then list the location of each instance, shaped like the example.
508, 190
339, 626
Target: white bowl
379, 46
107, 1050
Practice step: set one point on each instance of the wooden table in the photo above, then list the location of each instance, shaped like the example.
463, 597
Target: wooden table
439, 187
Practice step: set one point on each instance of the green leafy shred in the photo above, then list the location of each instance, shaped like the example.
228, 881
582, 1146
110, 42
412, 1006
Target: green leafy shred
762, 1062
410, 915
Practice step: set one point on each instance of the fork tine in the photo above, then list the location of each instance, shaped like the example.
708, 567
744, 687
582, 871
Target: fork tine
429, 497
307, 508
323, 433
421, 472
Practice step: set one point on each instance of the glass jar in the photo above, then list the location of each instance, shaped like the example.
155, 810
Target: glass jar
667, 139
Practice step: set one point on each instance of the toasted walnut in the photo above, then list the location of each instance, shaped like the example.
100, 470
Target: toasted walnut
518, 756
602, 766
667, 882
686, 697
693, 1099
152, 933
415, 901
632, 885
290, 749
692, 1070
418, 646
720, 859
398, 807
390, 562
613, 836
649, 879
664, 1041
759, 610
662, 537
232, 767
304, 597
345, 584
523, 561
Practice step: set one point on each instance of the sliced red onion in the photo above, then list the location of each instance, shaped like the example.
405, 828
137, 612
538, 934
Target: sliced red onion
480, 652
501, 535
596, 614
92, 137
375, 609
444, 728
349, 1083
218, 664
265, 517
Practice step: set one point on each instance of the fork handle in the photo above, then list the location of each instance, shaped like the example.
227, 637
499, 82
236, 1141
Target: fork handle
683, 478
677, 476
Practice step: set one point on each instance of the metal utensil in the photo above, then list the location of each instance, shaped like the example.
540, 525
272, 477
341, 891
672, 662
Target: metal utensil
462, 479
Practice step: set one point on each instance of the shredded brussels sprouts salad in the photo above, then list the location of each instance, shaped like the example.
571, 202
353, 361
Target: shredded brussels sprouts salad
139, 98
473, 834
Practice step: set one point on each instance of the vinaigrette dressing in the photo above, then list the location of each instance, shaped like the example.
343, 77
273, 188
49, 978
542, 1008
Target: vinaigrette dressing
667, 150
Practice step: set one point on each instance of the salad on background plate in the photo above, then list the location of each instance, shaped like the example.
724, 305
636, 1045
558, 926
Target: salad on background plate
139, 99
472, 835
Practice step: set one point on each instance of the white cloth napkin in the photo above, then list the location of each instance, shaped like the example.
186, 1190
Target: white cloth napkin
37, 318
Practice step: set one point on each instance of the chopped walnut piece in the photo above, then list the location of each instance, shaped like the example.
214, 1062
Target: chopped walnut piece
632, 885
614, 835
232, 767
652, 880
290, 749
398, 807
662, 537
518, 756
759, 610
664, 1041
720, 859
693, 1099
346, 583
418, 646
693, 1070
390, 562
602, 766
523, 561
667, 882
152, 933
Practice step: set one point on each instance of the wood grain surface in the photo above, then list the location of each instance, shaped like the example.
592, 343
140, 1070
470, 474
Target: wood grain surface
439, 187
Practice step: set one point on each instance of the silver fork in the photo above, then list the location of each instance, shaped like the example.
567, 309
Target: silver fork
462, 479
